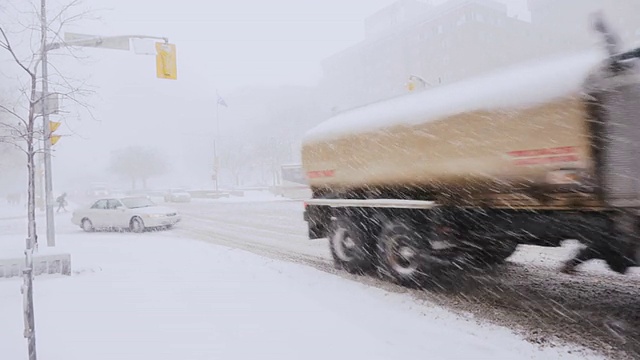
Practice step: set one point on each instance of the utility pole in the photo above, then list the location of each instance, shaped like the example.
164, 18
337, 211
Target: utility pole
48, 180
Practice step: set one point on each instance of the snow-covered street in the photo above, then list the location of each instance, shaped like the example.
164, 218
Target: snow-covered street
163, 295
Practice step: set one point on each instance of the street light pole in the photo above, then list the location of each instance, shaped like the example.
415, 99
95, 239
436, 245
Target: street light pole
48, 180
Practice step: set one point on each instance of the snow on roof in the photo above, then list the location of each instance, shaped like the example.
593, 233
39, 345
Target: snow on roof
519, 86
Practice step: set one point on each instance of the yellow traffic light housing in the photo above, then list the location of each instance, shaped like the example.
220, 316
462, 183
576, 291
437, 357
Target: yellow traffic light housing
54, 139
53, 126
166, 65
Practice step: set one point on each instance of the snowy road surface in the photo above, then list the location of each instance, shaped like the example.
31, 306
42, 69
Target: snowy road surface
165, 295
597, 308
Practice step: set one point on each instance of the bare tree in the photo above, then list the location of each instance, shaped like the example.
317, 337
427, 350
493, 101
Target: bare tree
23, 38
270, 154
23, 132
236, 159
137, 163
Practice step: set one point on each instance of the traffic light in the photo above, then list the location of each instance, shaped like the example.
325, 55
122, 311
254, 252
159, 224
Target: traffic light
53, 126
166, 65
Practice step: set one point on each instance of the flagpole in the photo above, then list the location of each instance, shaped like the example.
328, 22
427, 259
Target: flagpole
215, 154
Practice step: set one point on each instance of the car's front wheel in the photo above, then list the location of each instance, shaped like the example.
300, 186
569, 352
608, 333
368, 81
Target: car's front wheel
87, 225
136, 225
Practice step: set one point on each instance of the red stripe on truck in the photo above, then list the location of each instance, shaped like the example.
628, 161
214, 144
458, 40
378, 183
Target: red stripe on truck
545, 156
542, 152
547, 160
320, 174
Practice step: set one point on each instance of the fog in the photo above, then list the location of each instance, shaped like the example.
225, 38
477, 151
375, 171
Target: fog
263, 58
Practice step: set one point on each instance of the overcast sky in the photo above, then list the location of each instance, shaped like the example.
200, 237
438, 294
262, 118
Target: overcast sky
246, 42
222, 45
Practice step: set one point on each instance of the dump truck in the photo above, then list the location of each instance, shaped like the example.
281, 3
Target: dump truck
460, 175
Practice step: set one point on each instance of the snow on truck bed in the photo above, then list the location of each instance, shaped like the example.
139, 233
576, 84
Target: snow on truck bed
519, 86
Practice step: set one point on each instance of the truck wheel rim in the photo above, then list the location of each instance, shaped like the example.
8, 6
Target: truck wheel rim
344, 245
402, 255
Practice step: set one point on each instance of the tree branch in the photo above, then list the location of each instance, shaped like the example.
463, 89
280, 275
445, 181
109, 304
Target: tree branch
6, 109
6, 44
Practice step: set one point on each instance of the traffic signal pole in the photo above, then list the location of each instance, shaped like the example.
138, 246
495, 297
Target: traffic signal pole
48, 180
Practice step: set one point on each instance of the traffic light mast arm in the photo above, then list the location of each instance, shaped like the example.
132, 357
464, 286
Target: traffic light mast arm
95, 41
99, 40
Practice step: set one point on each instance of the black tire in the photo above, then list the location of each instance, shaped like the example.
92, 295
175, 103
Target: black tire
350, 247
401, 252
136, 225
87, 225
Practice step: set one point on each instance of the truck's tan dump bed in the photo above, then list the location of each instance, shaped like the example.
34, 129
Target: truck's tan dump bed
507, 128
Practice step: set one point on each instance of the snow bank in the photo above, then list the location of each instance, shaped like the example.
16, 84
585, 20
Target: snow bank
152, 296
519, 86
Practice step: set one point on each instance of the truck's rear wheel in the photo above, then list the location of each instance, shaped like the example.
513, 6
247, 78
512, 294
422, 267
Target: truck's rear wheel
401, 254
350, 247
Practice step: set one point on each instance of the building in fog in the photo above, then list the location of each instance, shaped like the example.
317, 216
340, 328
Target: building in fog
452, 41
440, 44
569, 18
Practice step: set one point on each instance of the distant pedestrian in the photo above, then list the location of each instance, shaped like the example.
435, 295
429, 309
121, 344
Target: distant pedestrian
62, 202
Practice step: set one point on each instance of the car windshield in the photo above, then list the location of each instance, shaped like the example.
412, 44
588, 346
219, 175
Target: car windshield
134, 203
